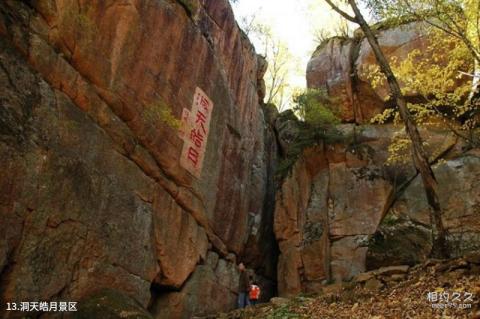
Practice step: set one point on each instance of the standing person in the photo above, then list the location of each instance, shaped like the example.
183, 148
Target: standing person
254, 293
243, 285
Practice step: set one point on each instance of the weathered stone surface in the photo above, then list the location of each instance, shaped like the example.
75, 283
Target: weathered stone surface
395, 42
391, 273
180, 245
204, 293
332, 206
72, 222
396, 243
261, 250
359, 199
333, 193
342, 67
330, 69
289, 267
262, 66
314, 260
404, 237
397, 277
348, 257
300, 231
286, 124
92, 194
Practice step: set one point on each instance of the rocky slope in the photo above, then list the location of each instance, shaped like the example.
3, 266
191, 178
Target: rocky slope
93, 195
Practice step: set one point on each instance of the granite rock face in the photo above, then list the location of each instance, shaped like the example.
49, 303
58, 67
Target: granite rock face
332, 200
92, 192
341, 67
330, 68
404, 235
342, 211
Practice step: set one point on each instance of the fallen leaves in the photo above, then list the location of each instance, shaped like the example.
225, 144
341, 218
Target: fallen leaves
398, 299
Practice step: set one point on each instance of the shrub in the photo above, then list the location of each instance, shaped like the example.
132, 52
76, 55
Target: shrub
314, 106
160, 113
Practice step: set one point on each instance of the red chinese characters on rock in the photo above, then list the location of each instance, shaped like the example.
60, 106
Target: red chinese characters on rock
194, 131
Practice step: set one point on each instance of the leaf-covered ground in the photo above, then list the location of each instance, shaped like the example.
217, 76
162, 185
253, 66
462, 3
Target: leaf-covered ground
453, 285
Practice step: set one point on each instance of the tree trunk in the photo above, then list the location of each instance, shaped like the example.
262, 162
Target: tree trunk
439, 249
476, 80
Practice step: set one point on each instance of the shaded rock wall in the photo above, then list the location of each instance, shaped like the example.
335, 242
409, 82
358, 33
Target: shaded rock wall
341, 211
92, 193
403, 237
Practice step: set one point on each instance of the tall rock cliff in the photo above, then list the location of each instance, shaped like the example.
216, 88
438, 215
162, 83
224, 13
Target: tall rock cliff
93, 194
341, 210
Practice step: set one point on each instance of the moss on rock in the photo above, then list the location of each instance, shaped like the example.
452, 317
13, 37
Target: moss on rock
190, 5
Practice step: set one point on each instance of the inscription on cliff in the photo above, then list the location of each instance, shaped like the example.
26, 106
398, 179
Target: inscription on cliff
194, 132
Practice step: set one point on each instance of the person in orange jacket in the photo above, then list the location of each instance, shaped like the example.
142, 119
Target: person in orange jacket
254, 293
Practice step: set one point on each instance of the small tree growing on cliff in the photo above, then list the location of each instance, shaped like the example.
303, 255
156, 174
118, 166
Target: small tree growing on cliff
314, 106
420, 158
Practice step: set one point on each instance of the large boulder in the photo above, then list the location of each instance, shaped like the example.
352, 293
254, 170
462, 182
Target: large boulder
396, 42
330, 68
342, 67
210, 288
404, 236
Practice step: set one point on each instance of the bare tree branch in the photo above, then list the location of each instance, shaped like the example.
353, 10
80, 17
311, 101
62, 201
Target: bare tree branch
341, 12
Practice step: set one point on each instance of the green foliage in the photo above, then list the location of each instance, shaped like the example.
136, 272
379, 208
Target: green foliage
431, 75
457, 37
319, 128
160, 113
394, 21
390, 220
399, 150
314, 106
